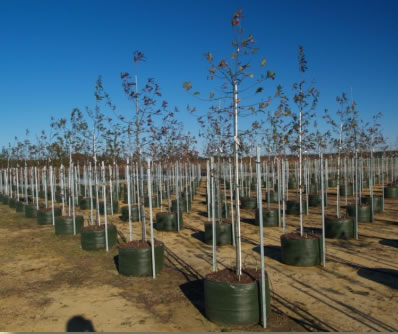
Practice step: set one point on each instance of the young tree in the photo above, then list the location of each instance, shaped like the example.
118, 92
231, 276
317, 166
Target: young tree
241, 73
305, 100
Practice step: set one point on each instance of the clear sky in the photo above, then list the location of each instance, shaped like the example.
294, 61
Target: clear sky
53, 51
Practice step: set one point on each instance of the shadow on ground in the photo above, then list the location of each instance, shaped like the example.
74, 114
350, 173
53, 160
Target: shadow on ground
389, 242
193, 290
79, 324
387, 277
273, 252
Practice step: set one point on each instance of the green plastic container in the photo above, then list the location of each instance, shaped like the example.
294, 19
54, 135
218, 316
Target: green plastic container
293, 207
391, 192
223, 234
270, 217
235, 304
183, 205
95, 239
45, 216
248, 202
301, 252
138, 261
273, 196
135, 217
364, 213
346, 191
167, 221
30, 211
339, 228
64, 224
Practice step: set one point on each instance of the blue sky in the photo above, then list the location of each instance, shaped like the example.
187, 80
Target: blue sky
53, 51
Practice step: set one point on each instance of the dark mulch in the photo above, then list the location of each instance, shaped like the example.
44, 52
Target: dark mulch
140, 244
298, 236
249, 275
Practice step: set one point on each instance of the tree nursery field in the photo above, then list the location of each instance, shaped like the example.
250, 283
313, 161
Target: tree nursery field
111, 220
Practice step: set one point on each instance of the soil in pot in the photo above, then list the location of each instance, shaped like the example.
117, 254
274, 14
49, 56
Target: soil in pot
301, 250
339, 228
93, 237
230, 299
223, 232
135, 258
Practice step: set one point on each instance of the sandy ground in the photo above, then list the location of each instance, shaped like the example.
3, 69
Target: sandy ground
47, 279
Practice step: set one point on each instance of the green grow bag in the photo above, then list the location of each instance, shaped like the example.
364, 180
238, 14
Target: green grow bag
19, 206
312, 188
292, 185
64, 224
45, 216
248, 202
167, 221
364, 212
155, 202
316, 199
224, 214
293, 207
339, 228
270, 217
365, 184
31, 211
93, 239
273, 196
223, 233
235, 303
108, 207
85, 203
42, 194
12, 203
346, 191
391, 192
135, 217
5, 199
183, 204
138, 261
301, 252
332, 183
377, 203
